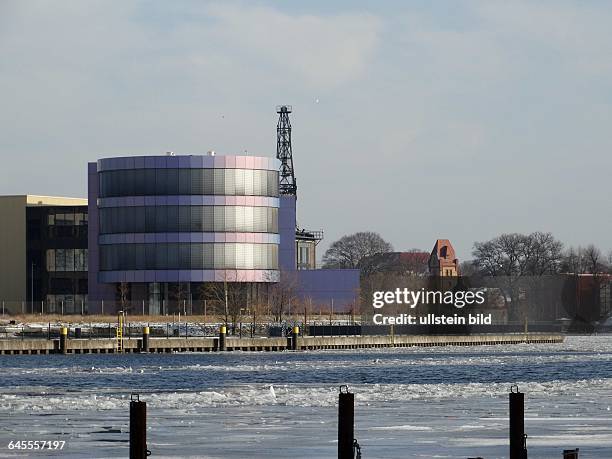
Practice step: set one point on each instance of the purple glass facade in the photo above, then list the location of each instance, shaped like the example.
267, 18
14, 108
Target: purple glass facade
181, 219
194, 219
327, 288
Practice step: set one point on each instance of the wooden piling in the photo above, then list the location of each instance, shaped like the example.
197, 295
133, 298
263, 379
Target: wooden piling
346, 420
138, 428
518, 439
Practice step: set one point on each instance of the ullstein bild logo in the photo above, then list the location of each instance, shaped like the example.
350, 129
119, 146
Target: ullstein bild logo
414, 298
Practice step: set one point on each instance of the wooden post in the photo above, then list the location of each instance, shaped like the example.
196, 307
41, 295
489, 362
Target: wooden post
570, 453
138, 428
64, 340
518, 439
222, 333
346, 419
294, 338
145, 339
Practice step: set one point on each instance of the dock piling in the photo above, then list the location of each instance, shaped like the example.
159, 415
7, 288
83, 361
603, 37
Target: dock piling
570, 453
145, 339
518, 439
222, 333
295, 335
346, 420
64, 340
138, 428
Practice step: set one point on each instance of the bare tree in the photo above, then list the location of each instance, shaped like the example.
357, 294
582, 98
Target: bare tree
123, 295
517, 255
517, 263
349, 250
584, 260
282, 295
594, 259
230, 296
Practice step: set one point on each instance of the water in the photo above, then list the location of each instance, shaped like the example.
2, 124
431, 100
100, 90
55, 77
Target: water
410, 402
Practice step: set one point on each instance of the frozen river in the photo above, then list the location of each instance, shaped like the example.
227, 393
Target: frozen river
410, 402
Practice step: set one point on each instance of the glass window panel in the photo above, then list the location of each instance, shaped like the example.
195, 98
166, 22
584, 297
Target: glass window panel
239, 178
196, 256
69, 259
150, 256
248, 182
127, 177
161, 180
240, 223
161, 258
248, 218
219, 256
185, 218
196, 219
140, 261
60, 260
172, 185
139, 220
173, 256
230, 182
230, 219
197, 184
184, 181
218, 181
208, 256
184, 255
274, 218
150, 219
230, 255
208, 185
50, 256
272, 183
139, 182
149, 182
51, 219
219, 219
257, 180
161, 218
129, 219
208, 218
172, 222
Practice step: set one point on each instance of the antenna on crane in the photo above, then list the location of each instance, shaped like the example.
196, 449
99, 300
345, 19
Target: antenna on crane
287, 182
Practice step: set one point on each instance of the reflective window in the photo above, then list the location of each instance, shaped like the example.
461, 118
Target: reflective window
67, 260
196, 256
161, 182
172, 219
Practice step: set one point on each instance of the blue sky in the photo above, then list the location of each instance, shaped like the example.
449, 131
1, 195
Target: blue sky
419, 120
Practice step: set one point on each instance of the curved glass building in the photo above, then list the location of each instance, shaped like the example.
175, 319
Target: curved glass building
164, 223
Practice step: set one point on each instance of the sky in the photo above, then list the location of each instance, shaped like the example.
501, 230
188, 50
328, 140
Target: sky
418, 120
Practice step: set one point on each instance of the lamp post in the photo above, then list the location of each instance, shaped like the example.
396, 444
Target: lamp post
32, 287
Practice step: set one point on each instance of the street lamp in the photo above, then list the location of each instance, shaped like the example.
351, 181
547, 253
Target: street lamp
32, 286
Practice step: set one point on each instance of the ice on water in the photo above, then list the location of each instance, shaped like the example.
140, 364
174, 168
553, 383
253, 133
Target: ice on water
439, 402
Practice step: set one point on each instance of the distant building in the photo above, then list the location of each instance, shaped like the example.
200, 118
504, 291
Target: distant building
443, 262
43, 247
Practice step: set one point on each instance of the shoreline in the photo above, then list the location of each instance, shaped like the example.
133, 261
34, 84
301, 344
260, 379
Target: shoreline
17, 346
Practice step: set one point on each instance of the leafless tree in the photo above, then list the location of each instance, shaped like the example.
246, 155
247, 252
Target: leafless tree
594, 259
517, 262
349, 250
123, 295
229, 295
584, 260
516, 255
282, 295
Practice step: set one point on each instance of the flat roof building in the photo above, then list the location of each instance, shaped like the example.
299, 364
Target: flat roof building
43, 253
